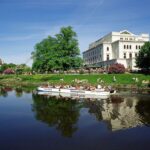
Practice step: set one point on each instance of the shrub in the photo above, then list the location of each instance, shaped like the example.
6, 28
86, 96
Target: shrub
116, 68
9, 71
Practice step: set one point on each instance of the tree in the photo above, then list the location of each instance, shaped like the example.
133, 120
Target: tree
22, 68
143, 59
57, 53
44, 55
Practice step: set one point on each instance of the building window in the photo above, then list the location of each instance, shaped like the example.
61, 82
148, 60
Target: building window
136, 47
139, 47
107, 48
136, 54
107, 56
124, 55
130, 46
127, 47
124, 46
130, 55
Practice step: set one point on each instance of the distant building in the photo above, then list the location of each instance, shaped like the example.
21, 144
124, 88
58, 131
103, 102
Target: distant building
116, 47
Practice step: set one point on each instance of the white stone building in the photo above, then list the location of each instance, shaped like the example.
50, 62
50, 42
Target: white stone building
116, 47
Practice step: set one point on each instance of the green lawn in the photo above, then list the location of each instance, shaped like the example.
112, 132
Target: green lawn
122, 79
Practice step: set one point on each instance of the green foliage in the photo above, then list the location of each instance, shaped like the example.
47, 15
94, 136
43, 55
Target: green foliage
143, 59
57, 53
18, 69
22, 68
6, 66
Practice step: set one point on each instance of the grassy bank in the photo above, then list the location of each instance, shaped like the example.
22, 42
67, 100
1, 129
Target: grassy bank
121, 79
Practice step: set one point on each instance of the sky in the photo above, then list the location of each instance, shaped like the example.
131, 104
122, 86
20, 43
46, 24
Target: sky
23, 23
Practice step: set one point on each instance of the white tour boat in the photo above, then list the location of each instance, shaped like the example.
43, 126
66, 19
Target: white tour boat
96, 92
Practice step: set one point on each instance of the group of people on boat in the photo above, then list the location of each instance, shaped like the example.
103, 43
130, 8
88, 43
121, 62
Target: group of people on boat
79, 87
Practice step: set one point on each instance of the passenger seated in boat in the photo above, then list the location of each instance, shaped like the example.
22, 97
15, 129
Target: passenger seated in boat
88, 88
92, 88
77, 88
44, 86
72, 87
99, 86
109, 87
66, 86
62, 86
81, 88
58, 86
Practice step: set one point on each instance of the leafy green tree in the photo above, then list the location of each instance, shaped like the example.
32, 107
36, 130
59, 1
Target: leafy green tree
22, 68
44, 56
57, 53
68, 48
143, 59
3, 67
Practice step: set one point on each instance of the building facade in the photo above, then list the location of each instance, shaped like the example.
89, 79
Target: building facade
116, 47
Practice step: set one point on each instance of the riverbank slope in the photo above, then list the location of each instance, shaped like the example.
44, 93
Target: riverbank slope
123, 80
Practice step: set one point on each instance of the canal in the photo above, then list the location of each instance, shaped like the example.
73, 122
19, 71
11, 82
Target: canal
29, 121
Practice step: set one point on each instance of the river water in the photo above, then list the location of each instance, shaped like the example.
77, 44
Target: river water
29, 121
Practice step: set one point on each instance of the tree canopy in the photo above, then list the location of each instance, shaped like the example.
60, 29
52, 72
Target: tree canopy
143, 59
57, 53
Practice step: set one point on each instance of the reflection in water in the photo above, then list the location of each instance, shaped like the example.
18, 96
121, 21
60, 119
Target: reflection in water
63, 114
117, 112
121, 113
4, 91
143, 109
19, 90
32, 121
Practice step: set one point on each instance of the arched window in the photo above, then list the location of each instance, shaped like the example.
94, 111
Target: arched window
127, 46
136, 47
107, 48
130, 55
139, 47
124, 46
130, 46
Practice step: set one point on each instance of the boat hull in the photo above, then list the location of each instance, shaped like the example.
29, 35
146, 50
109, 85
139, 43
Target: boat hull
96, 92
74, 95
44, 89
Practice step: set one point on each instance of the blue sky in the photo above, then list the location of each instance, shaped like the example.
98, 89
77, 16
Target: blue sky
23, 23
